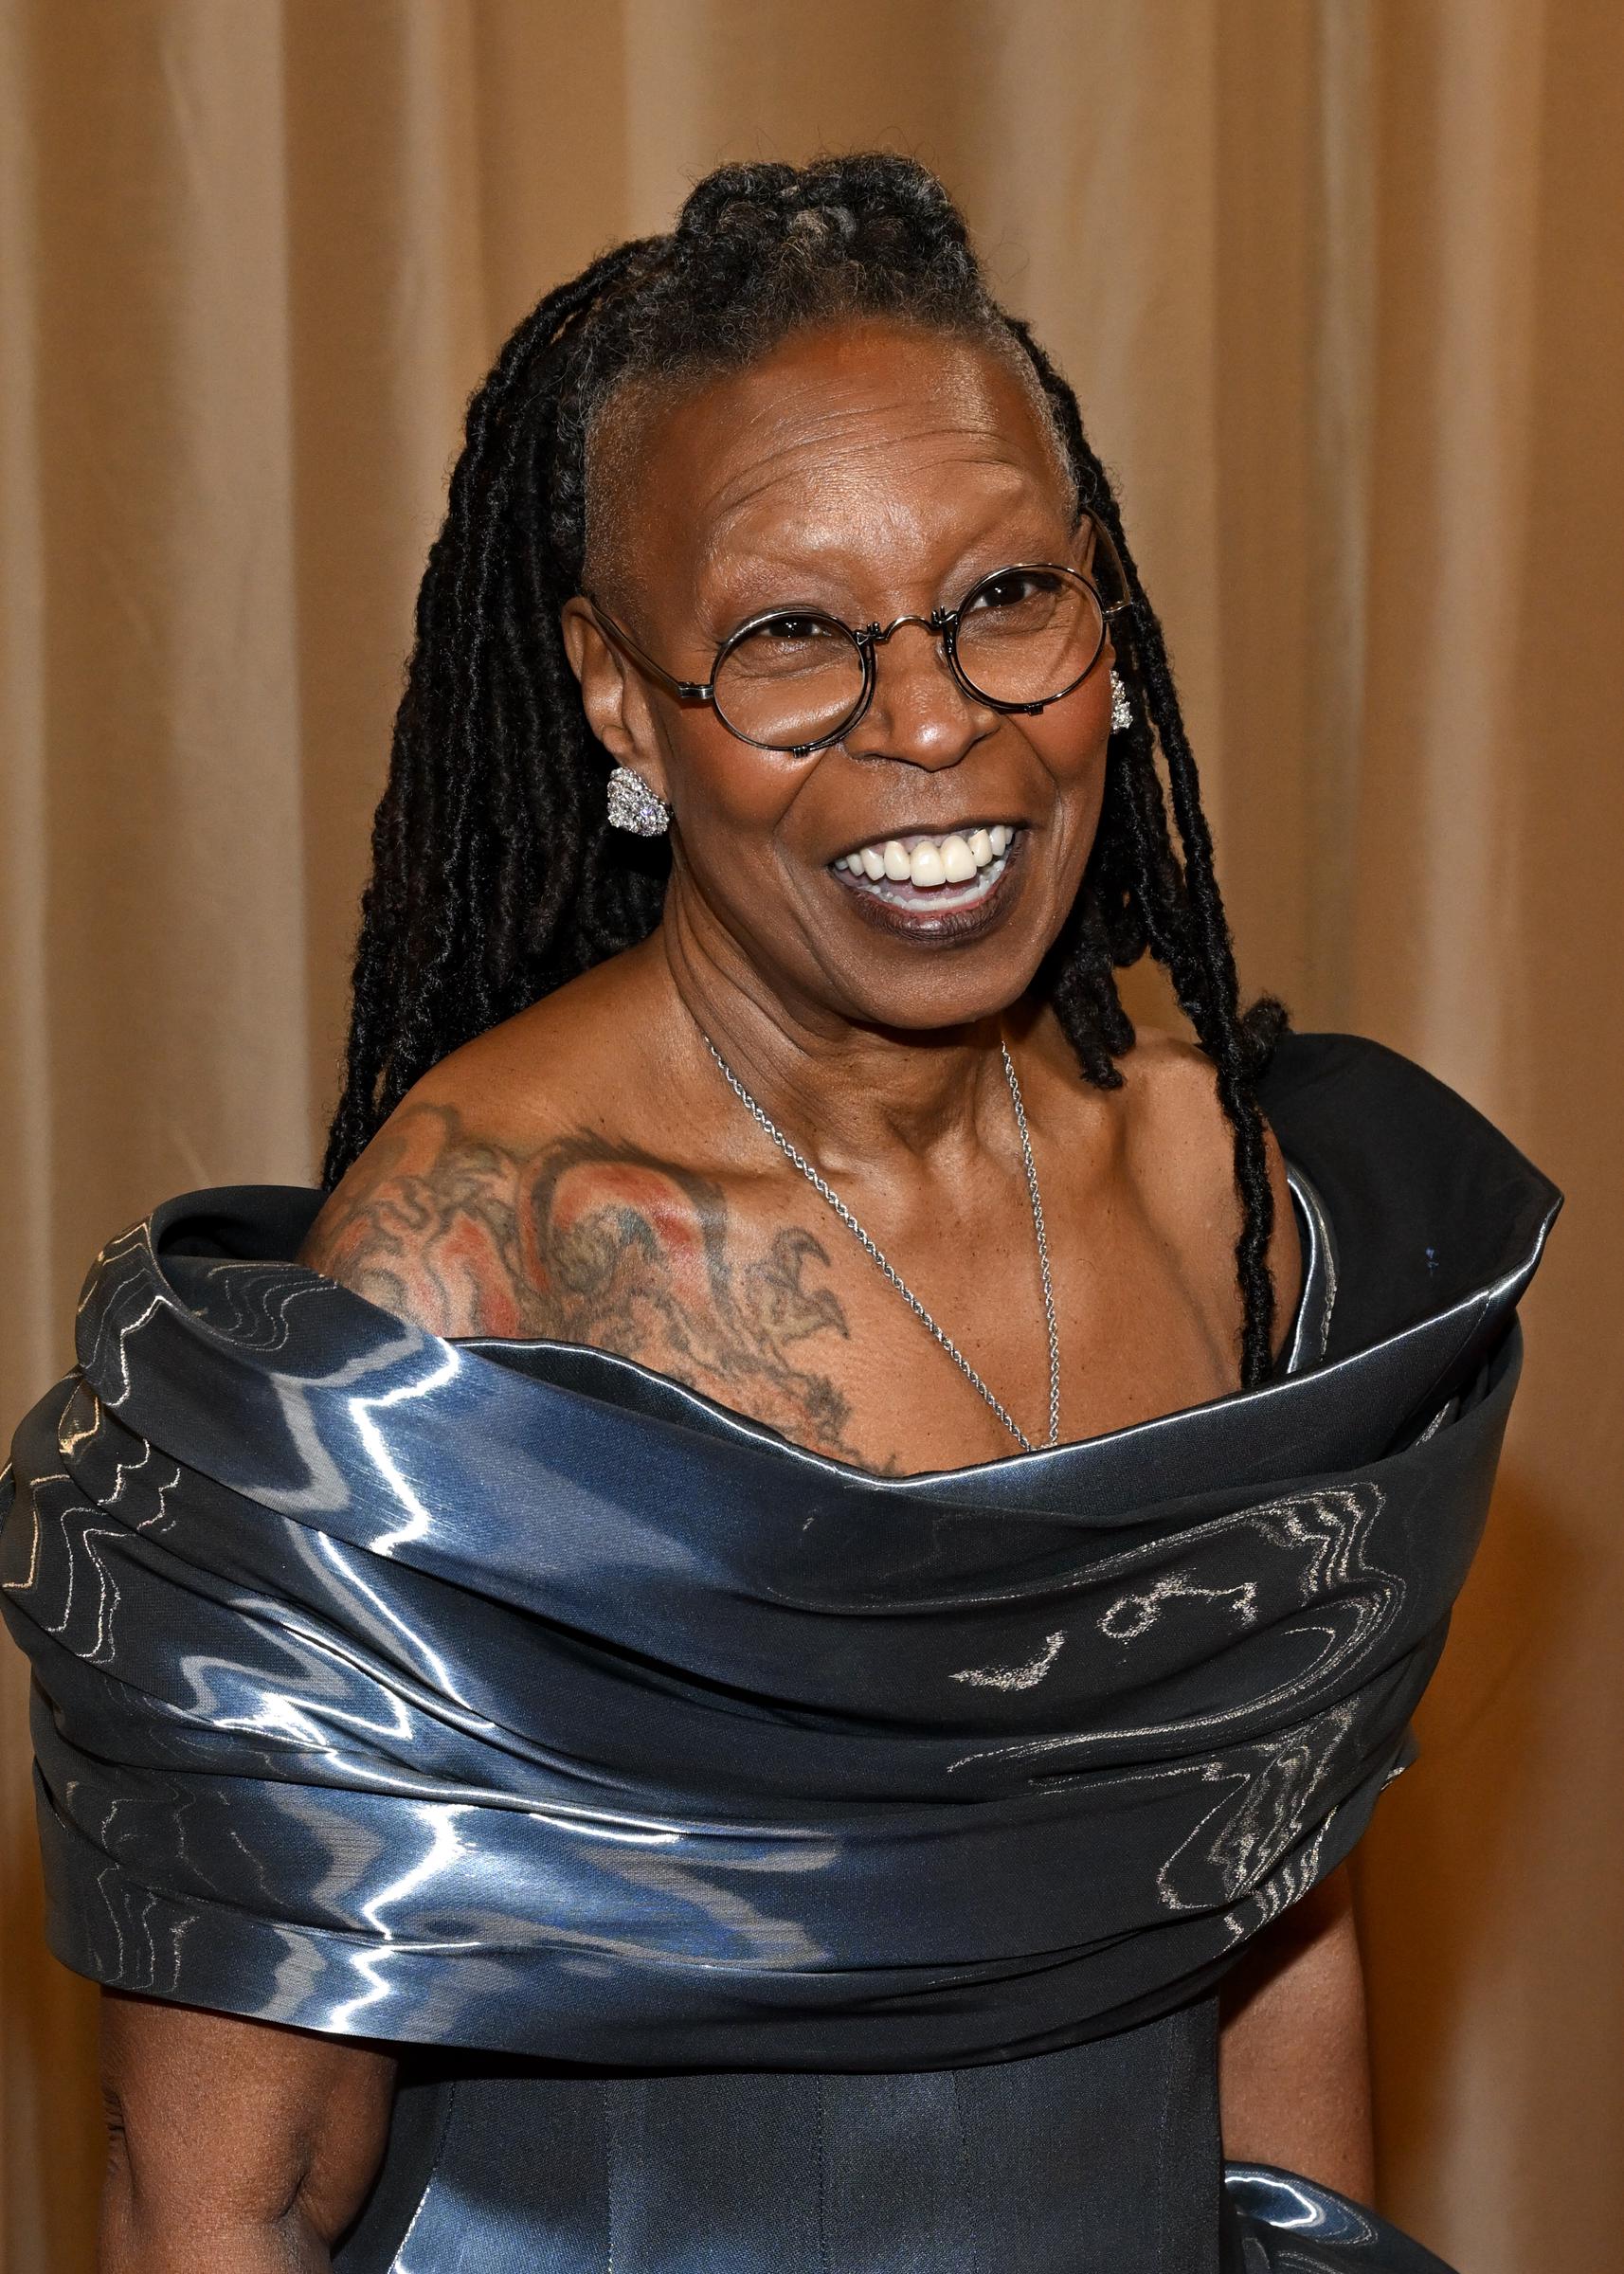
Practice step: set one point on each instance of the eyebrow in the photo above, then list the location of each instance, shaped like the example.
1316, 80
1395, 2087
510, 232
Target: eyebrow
749, 583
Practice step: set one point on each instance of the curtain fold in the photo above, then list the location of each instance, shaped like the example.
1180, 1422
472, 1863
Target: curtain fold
1337, 281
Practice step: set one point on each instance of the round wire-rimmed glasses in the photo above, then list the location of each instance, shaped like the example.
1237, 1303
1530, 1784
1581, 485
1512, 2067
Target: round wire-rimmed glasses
795, 680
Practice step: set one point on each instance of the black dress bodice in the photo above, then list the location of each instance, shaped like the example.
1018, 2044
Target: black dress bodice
1103, 2155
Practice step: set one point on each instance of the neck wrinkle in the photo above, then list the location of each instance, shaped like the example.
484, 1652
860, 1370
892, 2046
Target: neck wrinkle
848, 1096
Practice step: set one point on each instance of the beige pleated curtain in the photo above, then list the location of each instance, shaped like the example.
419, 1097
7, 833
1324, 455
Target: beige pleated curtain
1339, 287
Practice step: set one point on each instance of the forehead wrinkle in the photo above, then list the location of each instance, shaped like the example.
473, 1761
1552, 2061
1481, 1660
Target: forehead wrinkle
839, 559
828, 478
795, 413
818, 536
796, 442
823, 435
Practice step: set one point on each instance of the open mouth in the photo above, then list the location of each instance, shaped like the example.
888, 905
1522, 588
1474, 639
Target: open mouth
919, 879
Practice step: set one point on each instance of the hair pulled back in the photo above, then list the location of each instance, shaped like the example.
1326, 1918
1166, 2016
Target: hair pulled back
495, 878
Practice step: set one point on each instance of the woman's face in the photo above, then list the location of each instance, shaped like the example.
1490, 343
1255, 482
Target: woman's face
868, 471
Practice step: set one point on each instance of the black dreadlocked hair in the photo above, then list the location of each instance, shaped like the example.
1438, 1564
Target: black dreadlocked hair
495, 878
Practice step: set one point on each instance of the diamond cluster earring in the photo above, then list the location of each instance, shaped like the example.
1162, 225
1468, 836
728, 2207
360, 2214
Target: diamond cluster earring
633, 806
1121, 709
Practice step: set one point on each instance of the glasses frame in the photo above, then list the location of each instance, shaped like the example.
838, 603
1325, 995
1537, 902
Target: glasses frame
943, 623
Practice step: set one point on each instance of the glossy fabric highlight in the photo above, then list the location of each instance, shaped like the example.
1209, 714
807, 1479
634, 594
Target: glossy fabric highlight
514, 1697
450, 1694
1278, 2222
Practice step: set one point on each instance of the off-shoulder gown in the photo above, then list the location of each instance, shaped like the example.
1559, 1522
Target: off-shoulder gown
761, 1868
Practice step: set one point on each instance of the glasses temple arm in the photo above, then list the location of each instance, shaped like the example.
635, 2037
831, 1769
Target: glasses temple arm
693, 690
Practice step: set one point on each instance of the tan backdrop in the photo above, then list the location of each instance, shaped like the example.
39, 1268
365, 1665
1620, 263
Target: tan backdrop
1340, 288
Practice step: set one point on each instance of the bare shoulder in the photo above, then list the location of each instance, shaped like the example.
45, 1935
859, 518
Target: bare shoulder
500, 1199
543, 1234
424, 1223
459, 1212
1181, 1149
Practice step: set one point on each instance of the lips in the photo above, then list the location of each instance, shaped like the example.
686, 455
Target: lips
956, 907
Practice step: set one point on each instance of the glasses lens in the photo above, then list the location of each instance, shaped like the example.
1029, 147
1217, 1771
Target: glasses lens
789, 681
1026, 635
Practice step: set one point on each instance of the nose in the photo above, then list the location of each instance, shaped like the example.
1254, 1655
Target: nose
919, 714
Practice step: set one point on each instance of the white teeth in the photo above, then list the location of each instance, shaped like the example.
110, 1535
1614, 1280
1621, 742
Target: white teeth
957, 858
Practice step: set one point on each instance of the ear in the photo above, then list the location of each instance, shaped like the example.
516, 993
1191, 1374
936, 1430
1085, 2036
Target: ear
616, 702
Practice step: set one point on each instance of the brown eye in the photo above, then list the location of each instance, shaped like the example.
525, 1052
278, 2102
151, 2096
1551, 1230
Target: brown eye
790, 680
787, 633
1014, 588
1028, 635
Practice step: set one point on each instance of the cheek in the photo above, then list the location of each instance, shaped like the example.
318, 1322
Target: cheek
726, 794
1070, 742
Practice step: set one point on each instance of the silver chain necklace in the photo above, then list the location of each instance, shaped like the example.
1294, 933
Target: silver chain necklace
827, 1192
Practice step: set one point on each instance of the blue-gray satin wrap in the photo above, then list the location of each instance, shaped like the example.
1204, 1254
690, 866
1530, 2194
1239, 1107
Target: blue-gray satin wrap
511, 1696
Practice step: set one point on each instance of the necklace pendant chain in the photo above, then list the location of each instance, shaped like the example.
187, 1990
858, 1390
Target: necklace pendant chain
827, 1193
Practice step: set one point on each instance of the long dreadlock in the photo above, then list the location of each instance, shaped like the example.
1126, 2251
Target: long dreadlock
494, 875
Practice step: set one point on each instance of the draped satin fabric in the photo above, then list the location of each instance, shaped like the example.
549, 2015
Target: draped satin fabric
513, 1696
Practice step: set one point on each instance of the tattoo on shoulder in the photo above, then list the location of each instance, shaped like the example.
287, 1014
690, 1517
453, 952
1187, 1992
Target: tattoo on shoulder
588, 1240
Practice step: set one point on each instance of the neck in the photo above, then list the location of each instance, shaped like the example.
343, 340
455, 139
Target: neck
848, 1093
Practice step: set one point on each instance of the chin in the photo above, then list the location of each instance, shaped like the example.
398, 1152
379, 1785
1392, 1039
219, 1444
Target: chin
914, 968
921, 1002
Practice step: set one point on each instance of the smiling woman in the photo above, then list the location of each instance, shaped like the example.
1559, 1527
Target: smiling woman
810, 1560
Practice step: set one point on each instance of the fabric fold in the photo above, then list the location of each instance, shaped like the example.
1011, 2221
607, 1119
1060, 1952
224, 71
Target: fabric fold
511, 1696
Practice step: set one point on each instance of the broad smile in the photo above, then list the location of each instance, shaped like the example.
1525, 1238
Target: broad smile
939, 885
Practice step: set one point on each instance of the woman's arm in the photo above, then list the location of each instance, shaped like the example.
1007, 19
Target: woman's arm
234, 2147
1294, 2061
